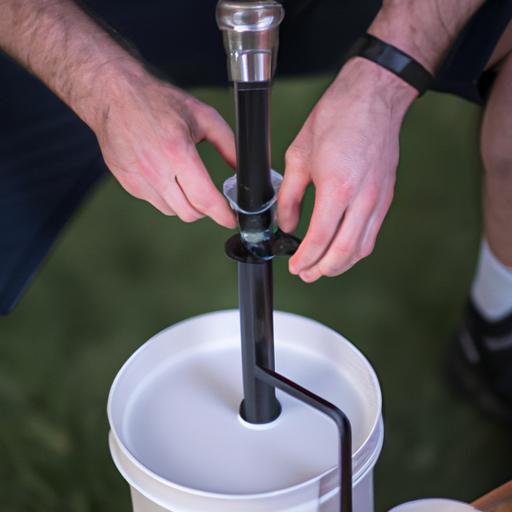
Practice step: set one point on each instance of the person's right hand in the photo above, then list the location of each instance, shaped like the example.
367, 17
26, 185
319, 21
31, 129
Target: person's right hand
348, 149
147, 131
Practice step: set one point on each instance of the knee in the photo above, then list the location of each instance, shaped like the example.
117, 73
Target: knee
496, 136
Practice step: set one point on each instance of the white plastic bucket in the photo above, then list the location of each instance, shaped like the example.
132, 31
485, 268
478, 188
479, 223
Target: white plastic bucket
178, 440
434, 505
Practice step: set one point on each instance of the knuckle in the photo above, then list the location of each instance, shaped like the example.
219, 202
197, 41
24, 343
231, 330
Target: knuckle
211, 112
293, 157
320, 236
345, 188
150, 173
289, 160
338, 187
173, 145
342, 251
132, 189
372, 194
337, 260
330, 269
367, 248
204, 202
188, 107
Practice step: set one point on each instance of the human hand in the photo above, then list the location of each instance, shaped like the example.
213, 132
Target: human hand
147, 131
348, 148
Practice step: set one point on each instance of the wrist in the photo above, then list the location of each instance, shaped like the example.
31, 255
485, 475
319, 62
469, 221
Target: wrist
105, 84
362, 77
396, 27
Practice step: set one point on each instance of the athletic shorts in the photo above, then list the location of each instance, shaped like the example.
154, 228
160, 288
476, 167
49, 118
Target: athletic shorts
50, 160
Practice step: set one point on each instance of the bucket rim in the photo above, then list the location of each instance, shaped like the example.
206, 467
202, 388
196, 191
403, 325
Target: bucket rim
434, 501
356, 477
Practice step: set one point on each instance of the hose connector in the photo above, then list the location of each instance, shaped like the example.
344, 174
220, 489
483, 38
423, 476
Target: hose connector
251, 37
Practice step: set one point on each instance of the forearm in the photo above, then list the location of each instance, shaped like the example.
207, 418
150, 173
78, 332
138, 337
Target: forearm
56, 41
425, 29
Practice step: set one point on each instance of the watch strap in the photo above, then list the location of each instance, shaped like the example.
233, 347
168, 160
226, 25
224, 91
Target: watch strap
391, 58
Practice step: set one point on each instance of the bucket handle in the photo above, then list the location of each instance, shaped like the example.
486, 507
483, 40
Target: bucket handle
293, 389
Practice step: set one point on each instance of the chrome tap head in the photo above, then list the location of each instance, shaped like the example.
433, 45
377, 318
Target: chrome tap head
251, 37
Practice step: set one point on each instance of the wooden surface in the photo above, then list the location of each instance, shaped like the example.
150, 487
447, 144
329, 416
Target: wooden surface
499, 500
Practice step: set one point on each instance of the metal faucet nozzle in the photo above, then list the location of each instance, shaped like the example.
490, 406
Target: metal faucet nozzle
251, 37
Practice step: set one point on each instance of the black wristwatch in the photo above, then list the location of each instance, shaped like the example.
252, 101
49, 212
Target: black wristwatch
391, 58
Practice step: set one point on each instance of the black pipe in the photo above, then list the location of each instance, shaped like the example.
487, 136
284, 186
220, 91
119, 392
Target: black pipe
257, 328
254, 190
254, 186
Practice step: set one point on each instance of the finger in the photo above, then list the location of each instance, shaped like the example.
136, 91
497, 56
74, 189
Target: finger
214, 128
311, 274
315, 273
291, 193
330, 203
346, 248
202, 193
138, 187
375, 223
366, 242
290, 198
176, 199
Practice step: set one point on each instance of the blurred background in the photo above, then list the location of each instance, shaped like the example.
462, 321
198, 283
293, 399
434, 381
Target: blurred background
121, 272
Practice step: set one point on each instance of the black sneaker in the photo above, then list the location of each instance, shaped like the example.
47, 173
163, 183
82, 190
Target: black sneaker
480, 363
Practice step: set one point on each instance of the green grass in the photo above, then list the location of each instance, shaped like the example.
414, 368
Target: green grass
121, 272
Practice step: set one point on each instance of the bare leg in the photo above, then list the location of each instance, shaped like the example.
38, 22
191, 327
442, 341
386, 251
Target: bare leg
496, 149
481, 360
497, 158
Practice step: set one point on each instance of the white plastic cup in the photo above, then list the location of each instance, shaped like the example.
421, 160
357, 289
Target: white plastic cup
434, 505
177, 438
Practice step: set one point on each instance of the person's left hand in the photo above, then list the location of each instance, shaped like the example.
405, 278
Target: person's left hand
348, 148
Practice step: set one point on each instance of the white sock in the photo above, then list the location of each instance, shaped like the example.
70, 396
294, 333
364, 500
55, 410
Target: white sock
492, 286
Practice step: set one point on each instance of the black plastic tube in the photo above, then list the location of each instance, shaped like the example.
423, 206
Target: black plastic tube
254, 186
254, 190
257, 328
